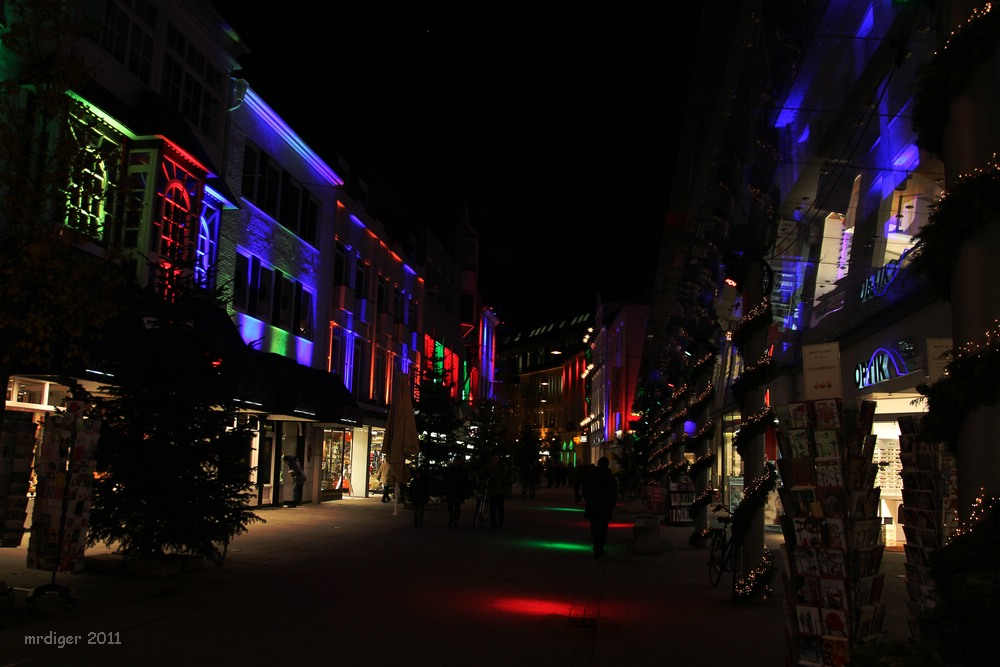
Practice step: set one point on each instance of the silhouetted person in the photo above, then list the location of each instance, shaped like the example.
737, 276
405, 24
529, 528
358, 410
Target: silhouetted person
456, 488
529, 480
298, 479
577, 474
420, 493
600, 493
496, 486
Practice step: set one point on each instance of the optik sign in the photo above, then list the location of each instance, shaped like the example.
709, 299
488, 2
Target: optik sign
883, 365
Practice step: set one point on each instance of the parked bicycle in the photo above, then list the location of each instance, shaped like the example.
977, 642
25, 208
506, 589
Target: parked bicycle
725, 550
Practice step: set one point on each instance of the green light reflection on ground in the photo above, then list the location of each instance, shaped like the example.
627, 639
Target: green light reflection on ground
558, 546
556, 509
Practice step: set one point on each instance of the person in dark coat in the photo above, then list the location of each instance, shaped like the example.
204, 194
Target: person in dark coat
456, 488
420, 493
298, 479
497, 480
600, 493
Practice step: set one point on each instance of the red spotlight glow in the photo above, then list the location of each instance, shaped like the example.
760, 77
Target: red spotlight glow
532, 606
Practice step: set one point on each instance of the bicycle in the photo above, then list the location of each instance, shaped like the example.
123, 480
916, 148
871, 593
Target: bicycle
724, 551
481, 514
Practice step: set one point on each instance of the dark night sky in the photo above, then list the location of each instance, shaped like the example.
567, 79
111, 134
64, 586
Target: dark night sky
557, 130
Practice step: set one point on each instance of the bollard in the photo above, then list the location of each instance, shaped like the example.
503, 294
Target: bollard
646, 534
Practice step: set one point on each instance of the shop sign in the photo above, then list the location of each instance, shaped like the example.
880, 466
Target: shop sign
883, 365
877, 284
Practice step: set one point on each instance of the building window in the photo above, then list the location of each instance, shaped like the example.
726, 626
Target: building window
337, 351
303, 315
208, 233
382, 295
173, 227
336, 463
191, 84
339, 264
87, 192
357, 367
361, 279
272, 297
241, 283
397, 304
285, 302
279, 195
380, 377
127, 35
265, 294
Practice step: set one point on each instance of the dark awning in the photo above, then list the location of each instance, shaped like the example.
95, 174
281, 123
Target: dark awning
285, 389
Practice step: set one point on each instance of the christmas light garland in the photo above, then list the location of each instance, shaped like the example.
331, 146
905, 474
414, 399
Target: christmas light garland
981, 510
947, 74
970, 205
969, 382
702, 463
753, 376
754, 499
755, 425
757, 580
752, 322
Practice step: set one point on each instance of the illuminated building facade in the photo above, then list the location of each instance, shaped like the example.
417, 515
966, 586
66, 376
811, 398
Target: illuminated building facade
616, 348
544, 376
329, 305
808, 192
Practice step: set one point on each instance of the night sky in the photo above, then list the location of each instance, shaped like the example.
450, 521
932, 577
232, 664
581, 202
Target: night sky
557, 130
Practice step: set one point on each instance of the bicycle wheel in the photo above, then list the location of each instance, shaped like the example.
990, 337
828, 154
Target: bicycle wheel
735, 565
219, 549
479, 516
716, 554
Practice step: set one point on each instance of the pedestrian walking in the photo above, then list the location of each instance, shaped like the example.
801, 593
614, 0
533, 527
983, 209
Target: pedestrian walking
298, 479
457, 483
420, 493
529, 479
496, 486
600, 493
577, 474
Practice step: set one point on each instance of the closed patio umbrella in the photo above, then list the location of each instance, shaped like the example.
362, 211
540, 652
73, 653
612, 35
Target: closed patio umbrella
401, 439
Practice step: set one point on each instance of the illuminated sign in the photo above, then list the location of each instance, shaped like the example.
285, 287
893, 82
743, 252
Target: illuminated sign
877, 284
883, 365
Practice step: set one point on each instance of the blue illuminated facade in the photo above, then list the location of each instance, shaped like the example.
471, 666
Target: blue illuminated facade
810, 188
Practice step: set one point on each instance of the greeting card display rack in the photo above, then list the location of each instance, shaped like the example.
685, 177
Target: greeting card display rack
62, 501
929, 513
833, 535
17, 447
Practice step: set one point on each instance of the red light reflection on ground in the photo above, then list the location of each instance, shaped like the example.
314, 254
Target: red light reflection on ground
531, 606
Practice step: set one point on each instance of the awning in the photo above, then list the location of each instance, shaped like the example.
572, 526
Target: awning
286, 390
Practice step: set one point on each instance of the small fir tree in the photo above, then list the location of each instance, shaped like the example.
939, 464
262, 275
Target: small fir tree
438, 423
174, 465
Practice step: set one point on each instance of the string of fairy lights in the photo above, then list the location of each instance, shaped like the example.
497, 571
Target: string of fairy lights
757, 579
967, 383
969, 205
948, 72
981, 509
753, 426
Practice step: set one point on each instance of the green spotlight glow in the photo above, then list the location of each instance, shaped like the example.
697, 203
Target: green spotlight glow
555, 546
560, 509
